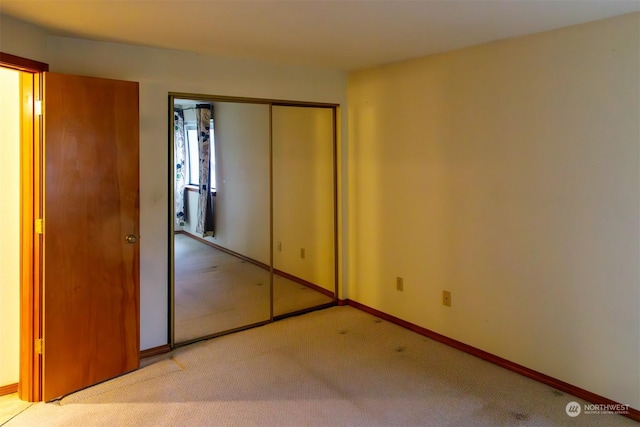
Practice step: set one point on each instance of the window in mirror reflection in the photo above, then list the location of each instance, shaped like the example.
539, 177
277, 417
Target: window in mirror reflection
192, 150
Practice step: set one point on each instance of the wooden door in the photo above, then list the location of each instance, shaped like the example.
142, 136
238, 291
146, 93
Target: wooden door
91, 204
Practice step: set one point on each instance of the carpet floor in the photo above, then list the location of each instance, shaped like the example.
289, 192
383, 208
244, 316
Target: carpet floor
333, 367
216, 291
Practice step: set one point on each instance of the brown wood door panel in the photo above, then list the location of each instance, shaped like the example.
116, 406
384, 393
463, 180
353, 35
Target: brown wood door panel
91, 202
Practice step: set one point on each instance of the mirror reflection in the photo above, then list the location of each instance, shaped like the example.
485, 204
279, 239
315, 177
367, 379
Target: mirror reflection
303, 207
221, 241
242, 171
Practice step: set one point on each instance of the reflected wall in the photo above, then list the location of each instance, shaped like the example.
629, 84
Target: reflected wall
303, 206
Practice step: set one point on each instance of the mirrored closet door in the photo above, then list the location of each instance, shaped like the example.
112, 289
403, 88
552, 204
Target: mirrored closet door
252, 213
303, 207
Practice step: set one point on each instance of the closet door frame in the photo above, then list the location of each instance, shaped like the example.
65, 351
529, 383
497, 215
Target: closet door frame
171, 223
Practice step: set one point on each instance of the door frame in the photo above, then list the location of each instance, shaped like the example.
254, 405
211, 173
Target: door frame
29, 384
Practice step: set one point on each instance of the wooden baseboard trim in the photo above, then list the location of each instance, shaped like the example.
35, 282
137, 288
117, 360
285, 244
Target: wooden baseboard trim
155, 351
8, 389
259, 264
223, 249
632, 413
303, 282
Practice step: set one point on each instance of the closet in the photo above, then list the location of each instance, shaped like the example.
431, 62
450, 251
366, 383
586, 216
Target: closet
270, 248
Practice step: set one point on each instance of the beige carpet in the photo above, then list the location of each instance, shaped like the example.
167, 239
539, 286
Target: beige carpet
217, 292
334, 367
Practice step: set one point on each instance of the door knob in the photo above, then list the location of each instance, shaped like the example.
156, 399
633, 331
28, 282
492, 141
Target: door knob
130, 238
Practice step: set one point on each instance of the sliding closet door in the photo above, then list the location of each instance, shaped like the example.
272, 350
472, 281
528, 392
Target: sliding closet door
222, 282
273, 252
303, 190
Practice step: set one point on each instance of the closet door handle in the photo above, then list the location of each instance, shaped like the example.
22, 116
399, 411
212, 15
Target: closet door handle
131, 239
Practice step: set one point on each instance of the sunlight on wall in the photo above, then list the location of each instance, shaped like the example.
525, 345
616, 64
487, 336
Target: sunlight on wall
507, 174
10, 214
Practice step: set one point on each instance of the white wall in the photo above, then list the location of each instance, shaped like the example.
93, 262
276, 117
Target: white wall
508, 174
159, 72
10, 237
242, 180
22, 39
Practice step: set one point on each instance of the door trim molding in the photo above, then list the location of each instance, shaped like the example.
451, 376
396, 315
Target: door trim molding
30, 259
28, 387
22, 64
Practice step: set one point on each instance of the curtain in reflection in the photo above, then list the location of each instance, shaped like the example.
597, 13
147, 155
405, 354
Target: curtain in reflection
204, 224
180, 152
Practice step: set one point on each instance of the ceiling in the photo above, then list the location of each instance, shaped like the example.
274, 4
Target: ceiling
340, 34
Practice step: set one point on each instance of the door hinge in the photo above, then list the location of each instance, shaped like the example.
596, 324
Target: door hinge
37, 107
39, 226
38, 346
